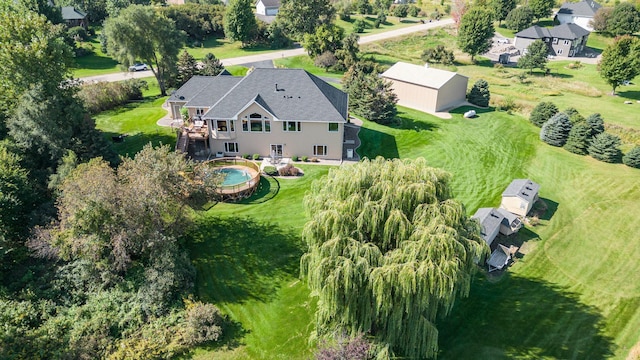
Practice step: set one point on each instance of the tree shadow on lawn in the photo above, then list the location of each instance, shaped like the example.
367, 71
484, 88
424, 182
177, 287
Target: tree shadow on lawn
375, 143
479, 110
131, 144
405, 121
238, 259
551, 208
631, 94
232, 334
268, 188
521, 318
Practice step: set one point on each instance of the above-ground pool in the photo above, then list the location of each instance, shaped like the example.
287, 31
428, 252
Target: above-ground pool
234, 176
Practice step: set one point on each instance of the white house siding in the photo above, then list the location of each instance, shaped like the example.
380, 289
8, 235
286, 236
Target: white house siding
293, 143
516, 205
453, 93
260, 9
415, 96
581, 21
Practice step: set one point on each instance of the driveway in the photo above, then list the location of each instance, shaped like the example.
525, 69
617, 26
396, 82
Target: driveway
262, 58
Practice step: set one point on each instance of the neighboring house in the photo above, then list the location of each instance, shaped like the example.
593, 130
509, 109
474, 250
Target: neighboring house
519, 197
563, 40
426, 89
271, 112
510, 224
267, 7
74, 17
490, 220
579, 13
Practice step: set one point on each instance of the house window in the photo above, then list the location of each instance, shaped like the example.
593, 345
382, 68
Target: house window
245, 125
256, 125
267, 126
221, 125
559, 51
291, 126
333, 127
200, 111
233, 125
555, 40
566, 42
320, 150
231, 147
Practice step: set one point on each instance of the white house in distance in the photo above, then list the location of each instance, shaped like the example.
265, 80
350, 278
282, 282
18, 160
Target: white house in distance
579, 13
519, 197
270, 112
426, 89
267, 7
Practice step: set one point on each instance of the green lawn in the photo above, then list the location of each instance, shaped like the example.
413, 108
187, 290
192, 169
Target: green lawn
97, 63
305, 62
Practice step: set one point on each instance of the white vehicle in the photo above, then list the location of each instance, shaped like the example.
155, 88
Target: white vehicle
502, 41
138, 67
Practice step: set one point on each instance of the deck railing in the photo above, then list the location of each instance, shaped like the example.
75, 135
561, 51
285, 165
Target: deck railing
243, 189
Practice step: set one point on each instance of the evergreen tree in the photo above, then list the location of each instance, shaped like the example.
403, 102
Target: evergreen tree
239, 21
536, 56
620, 61
519, 18
574, 115
605, 147
211, 66
595, 123
556, 130
187, 66
388, 252
541, 8
578, 140
479, 93
370, 96
624, 19
475, 32
632, 158
543, 112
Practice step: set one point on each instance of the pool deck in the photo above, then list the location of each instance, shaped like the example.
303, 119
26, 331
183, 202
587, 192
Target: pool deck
240, 187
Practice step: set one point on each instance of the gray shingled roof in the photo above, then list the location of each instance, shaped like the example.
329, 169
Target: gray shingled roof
523, 188
216, 88
534, 32
70, 13
489, 219
191, 88
270, 3
499, 258
509, 217
568, 31
582, 8
289, 94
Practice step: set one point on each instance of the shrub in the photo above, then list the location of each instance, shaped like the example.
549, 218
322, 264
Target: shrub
435, 15
245, 156
255, 156
632, 158
556, 130
414, 11
382, 17
578, 139
289, 170
376, 23
77, 33
305, 158
314, 159
325, 60
359, 25
103, 95
438, 54
543, 112
605, 147
479, 93
295, 158
203, 323
270, 170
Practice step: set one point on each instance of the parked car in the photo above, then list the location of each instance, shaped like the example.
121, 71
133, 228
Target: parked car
138, 67
502, 41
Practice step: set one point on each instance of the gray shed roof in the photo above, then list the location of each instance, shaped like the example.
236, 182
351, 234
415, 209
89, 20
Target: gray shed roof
216, 88
583, 8
419, 75
568, 31
191, 88
289, 94
499, 258
509, 217
524, 189
71, 13
489, 219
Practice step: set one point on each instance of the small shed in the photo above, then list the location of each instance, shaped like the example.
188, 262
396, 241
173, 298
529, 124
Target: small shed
499, 258
426, 89
518, 198
74, 17
504, 58
490, 220
267, 7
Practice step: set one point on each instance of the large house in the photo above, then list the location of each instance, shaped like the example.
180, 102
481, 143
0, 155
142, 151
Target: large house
270, 112
426, 89
267, 7
74, 17
563, 40
496, 221
519, 197
579, 13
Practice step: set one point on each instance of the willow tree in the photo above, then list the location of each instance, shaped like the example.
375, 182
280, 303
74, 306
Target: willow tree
388, 252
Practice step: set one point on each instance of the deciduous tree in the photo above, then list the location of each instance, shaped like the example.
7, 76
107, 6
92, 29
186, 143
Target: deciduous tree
475, 32
139, 33
541, 8
624, 19
458, 9
519, 18
555, 131
501, 8
388, 252
327, 37
620, 61
239, 21
535, 57
600, 21
401, 11
605, 147
301, 17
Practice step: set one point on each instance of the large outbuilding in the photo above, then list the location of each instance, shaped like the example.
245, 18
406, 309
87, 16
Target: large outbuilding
427, 89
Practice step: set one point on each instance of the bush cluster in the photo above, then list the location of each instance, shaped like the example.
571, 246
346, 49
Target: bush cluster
288, 170
103, 96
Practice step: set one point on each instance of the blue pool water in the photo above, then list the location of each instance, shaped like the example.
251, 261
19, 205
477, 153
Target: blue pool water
234, 176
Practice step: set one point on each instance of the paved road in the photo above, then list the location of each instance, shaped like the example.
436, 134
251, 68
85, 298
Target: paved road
279, 54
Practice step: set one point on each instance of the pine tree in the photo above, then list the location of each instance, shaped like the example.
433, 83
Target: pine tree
605, 147
388, 252
578, 140
479, 93
574, 115
632, 158
186, 68
595, 123
211, 66
370, 96
556, 130
543, 112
